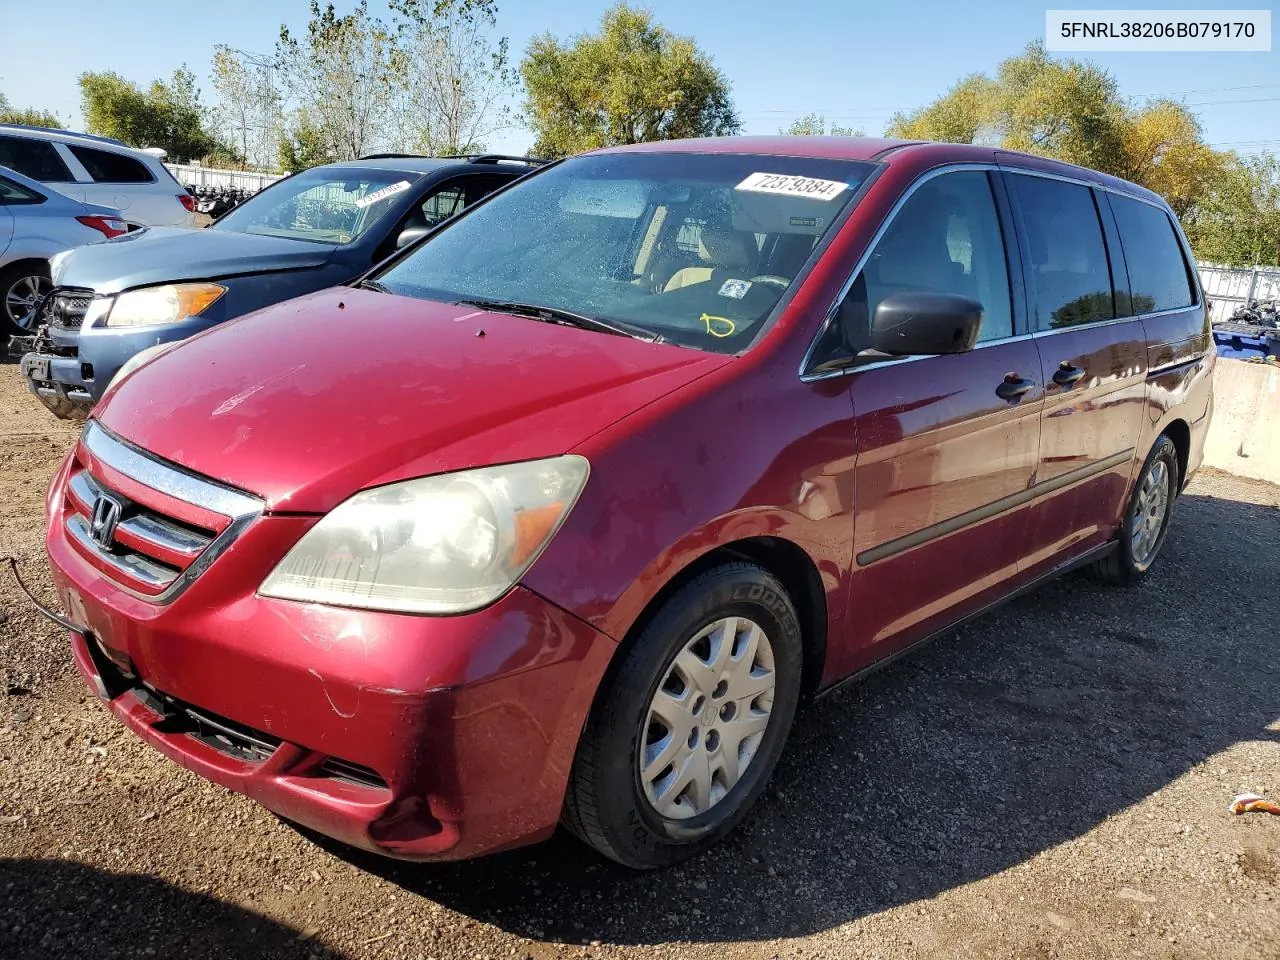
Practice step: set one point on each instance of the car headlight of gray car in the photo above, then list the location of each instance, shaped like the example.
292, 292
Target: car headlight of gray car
155, 306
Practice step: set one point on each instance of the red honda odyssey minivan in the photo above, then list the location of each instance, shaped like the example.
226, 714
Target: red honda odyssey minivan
558, 514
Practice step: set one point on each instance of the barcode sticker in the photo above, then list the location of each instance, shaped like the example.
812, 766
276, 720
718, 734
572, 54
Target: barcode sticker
790, 186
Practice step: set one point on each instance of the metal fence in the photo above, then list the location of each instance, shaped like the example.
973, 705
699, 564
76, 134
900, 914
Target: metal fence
1227, 287
195, 175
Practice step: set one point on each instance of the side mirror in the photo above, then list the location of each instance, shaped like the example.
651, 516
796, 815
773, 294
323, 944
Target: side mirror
924, 324
409, 234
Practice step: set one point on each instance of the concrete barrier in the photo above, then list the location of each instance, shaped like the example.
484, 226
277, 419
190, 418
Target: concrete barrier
1244, 437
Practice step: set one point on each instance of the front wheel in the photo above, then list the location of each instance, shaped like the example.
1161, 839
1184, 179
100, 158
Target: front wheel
22, 287
688, 729
1146, 519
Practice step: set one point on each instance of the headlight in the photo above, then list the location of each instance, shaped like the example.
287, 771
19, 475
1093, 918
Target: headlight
444, 544
153, 306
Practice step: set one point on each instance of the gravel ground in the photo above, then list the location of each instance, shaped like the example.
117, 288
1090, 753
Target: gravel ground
1051, 781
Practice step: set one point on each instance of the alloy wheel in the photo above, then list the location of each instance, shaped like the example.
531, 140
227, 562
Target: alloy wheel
22, 298
1149, 510
707, 718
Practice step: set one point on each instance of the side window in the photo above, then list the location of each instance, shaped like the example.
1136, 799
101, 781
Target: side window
15, 194
480, 187
1070, 280
36, 159
1158, 273
945, 239
107, 167
443, 204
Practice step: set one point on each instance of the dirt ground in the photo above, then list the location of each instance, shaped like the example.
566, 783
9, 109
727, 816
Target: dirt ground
1051, 781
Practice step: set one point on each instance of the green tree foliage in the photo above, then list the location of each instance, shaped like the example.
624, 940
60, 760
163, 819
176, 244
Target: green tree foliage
345, 73
815, 125
167, 115
305, 144
631, 82
1237, 221
29, 116
1073, 111
964, 114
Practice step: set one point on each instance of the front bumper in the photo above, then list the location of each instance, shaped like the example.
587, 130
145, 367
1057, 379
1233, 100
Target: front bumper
83, 362
415, 737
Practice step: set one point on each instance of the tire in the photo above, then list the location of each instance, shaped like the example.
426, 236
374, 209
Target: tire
16, 281
607, 805
1135, 552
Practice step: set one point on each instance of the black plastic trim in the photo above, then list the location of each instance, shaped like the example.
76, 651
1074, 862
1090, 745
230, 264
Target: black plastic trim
986, 511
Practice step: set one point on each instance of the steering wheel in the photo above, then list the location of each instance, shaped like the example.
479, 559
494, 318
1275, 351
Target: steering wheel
770, 278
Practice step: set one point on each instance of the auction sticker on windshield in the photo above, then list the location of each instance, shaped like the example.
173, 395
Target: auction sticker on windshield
793, 186
388, 191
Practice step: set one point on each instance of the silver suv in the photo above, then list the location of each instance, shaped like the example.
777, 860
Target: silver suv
37, 224
99, 170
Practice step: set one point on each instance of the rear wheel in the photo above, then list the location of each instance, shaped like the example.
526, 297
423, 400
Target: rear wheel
22, 286
1146, 520
687, 730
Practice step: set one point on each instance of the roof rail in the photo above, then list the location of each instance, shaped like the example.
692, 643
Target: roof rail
66, 133
497, 157
471, 157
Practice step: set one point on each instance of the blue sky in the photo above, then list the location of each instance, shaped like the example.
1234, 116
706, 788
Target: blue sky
856, 63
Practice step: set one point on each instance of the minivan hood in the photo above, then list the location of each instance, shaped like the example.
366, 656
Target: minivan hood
308, 401
165, 254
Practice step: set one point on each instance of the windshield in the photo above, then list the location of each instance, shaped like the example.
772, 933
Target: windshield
695, 248
325, 205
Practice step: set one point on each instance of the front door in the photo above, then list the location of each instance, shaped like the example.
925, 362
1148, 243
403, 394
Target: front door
947, 446
1094, 364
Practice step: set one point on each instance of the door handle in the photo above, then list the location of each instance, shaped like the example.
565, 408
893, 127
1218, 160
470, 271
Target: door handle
1014, 387
1067, 374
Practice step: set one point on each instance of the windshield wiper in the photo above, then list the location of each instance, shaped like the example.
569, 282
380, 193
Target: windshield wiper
565, 317
373, 285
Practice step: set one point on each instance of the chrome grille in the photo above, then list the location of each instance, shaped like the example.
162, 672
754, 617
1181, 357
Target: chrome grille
133, 537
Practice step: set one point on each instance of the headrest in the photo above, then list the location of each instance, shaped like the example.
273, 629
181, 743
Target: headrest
727, 249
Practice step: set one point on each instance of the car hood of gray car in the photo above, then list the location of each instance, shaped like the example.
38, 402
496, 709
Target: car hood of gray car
168, 254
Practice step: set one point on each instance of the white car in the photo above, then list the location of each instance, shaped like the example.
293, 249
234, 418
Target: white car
99, 170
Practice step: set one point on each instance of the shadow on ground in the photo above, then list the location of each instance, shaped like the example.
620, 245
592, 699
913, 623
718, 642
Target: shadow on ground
1025, 729
62, 909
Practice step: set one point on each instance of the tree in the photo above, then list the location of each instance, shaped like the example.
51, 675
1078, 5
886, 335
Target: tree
29, 117
249, 111
346, 74
168, 115
964, 114
1162, 149
815, 125
305, 144
1073, 111
1237, 220
458, 79
632, 82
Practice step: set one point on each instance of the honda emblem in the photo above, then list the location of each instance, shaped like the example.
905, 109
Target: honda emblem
102, 525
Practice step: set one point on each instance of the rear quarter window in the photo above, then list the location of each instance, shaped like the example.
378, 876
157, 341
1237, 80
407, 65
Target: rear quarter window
15, 194
106, 167
36, 159
1159, 277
